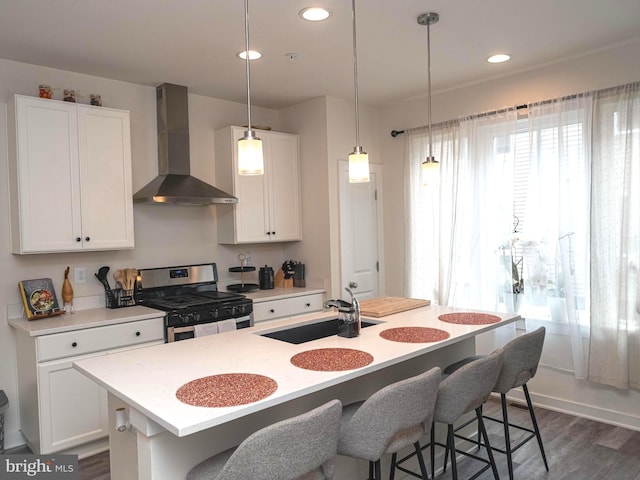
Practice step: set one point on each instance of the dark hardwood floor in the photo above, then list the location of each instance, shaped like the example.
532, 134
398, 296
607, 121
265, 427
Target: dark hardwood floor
95, 467
576, 448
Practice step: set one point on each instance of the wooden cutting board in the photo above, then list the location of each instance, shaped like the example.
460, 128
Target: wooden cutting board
380, 307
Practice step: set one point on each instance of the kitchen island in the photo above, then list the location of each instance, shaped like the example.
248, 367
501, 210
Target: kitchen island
167, 436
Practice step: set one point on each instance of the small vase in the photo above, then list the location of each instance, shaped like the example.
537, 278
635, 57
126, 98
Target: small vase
513, 302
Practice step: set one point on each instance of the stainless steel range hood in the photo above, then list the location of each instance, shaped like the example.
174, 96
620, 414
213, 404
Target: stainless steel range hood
175, 185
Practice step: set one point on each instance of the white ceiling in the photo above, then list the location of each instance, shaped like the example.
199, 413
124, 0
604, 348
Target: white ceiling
194, 43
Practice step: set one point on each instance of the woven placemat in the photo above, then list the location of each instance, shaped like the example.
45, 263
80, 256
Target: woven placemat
226, 390
469, 318
332, 359
414, 334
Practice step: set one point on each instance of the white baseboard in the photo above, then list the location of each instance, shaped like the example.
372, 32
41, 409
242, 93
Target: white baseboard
13, 440
610, 417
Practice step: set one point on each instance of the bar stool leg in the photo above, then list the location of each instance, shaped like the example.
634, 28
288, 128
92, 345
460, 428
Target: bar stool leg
432, 452
451, 446
392, 471
486, 442
535, 425
371, 474
507, 438
378, 472
479, 444
423, 467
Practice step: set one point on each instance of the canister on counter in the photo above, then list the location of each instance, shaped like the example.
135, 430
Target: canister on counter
265, 278
298, 275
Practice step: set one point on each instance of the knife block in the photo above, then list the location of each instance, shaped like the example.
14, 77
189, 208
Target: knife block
280, 282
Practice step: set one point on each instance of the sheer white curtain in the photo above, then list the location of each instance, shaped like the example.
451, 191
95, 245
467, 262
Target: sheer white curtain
455, 230
615, 239
555, 223
430, 217
484, 209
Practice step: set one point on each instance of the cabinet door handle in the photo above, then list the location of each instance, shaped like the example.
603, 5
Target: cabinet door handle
74, 344
268, 233
272, 311
137, 334
273, 233
78, 239
308, 305
87, 239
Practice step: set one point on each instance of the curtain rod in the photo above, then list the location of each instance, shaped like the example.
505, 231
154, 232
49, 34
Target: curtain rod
395, 133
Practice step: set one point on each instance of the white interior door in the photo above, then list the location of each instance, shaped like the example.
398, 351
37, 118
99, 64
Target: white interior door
360, 245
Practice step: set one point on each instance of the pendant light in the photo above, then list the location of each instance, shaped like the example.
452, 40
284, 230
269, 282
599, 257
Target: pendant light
250, 158
358, 159
430, 167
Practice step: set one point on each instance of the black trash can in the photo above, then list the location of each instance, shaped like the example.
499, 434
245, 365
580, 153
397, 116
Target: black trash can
4, 404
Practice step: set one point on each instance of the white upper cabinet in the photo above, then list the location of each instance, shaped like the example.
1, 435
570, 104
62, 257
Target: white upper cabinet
70, 177
268, 208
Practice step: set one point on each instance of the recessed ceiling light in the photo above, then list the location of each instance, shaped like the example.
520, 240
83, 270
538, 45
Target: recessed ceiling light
315, 14
253, 55
499, 58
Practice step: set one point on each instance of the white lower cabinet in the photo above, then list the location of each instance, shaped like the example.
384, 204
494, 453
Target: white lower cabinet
61, 410
286, 307
73, 408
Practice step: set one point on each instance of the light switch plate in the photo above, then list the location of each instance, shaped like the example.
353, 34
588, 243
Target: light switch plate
80, 274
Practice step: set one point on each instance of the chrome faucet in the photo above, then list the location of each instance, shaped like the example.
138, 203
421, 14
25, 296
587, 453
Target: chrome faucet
348, 315
355, 304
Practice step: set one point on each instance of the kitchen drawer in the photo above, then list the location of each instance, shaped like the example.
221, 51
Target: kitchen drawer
286, 307
79, 342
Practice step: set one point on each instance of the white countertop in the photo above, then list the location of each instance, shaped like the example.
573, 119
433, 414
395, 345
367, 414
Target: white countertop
259, 296
95, 317
147, 378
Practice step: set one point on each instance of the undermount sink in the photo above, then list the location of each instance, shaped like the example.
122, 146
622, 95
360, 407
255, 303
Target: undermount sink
311, 331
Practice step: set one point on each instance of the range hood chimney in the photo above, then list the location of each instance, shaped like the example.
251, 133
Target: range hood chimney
175, 185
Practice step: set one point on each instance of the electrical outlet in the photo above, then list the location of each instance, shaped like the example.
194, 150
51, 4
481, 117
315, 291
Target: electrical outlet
80, 274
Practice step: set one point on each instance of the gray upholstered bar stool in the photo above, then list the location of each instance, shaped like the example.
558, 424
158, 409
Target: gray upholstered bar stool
299, 448
465, 390
389, 420
520, 364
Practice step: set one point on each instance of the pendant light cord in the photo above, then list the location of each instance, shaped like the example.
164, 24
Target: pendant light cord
355, 72
429, 87
246, 40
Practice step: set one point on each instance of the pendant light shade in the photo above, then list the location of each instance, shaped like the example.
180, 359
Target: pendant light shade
250, 157
358, 166
358, 159
430, 167
430, 172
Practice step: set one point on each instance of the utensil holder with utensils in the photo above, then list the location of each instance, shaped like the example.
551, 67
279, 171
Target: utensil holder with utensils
124, 294
120, 298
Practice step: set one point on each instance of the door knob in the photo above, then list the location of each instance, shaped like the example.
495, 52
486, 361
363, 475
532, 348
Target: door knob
353, 285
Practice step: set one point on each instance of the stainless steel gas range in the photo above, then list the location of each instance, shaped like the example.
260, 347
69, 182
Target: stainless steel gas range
189, 294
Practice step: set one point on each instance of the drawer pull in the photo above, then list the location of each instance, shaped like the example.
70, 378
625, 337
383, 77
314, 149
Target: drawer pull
137, 334
308, 305
272, 311
74, 344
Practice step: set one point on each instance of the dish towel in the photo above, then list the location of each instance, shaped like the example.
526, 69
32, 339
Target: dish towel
226, 325
205, 329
